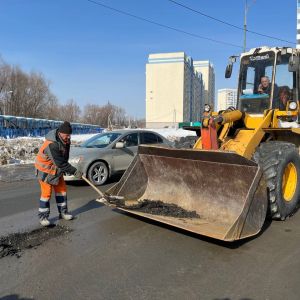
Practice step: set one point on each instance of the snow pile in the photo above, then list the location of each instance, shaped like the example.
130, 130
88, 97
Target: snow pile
173, 134
19, 150
23, 150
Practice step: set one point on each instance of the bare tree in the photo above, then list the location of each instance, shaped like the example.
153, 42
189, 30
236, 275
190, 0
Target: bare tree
91, 114
36, 95
29, 95
120, 116
70, 112
25, 94
98, 115
107, 115
17, 85
140, 123
52, 108
110, 114
5, 71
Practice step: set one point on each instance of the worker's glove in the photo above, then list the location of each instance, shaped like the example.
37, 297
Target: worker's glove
78, 174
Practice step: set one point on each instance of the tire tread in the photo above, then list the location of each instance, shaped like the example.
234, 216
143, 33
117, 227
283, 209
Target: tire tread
269, 156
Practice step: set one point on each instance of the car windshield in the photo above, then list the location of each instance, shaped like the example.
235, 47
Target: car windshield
100, 141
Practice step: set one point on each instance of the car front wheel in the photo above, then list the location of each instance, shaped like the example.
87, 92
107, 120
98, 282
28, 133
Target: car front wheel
98, 173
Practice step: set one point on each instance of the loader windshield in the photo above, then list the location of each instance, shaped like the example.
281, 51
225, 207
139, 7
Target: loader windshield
256, 82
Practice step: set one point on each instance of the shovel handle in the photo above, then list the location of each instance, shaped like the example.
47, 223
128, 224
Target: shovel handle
93, 186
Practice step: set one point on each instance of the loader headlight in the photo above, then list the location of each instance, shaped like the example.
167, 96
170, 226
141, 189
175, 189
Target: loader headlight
207, 108
292, 105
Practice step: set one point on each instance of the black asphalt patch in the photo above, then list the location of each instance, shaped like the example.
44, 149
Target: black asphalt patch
15, 243
164, 209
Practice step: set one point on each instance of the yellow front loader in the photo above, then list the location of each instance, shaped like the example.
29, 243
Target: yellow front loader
244, 165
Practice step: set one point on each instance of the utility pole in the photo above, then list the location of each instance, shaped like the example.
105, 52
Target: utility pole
245, 22
245, 25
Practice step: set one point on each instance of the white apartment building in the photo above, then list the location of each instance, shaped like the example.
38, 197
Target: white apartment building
198, 90
208, 75
226, 98
173, 90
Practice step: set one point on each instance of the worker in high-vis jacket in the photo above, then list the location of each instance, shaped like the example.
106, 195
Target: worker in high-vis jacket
51, 164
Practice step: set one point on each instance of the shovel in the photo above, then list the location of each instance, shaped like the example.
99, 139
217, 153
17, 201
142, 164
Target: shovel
104, 198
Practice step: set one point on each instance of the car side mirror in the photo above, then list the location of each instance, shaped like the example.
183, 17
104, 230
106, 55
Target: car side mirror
120, 145
294, 63
228, 70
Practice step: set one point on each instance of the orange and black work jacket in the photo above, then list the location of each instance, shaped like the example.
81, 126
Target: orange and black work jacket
52, 159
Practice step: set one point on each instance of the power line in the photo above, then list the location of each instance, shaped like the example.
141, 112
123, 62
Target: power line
228, 24
162, 25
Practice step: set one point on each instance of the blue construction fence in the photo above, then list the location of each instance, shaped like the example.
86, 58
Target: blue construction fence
12, 127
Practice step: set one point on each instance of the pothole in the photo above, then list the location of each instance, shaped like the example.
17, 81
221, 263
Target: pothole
15, 243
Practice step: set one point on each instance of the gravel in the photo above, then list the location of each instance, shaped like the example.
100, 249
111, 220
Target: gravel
164, 209
15, 243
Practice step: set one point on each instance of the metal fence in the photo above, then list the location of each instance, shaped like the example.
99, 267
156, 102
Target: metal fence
12, 126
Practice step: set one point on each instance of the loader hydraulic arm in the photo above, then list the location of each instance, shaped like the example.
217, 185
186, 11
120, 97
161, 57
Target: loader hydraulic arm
224, 118
210, 125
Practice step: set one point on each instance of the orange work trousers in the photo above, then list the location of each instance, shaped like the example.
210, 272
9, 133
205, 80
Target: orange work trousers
60, 195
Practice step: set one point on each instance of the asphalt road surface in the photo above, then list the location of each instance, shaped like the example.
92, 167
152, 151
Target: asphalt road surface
112, 255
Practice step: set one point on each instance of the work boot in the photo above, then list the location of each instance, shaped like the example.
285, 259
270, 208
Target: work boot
66, 216
45, 222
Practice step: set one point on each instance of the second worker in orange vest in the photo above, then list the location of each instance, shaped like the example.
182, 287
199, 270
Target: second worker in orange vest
51, 164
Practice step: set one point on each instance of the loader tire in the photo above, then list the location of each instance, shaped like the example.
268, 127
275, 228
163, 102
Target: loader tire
280, 163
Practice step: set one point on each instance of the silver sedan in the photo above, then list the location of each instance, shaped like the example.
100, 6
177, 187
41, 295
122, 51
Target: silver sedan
109, 153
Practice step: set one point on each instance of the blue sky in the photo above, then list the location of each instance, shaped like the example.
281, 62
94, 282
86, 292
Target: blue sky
93, 55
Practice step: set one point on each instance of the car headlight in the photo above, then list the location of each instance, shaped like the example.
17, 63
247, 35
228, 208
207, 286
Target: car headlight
75, 160
292, 105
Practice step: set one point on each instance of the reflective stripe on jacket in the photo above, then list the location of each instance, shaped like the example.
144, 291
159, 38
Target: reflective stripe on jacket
52, 159
43, 163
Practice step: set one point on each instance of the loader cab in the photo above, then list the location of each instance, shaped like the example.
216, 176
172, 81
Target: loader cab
255, 96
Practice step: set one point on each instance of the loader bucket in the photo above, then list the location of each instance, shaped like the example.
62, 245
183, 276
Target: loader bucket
225, 190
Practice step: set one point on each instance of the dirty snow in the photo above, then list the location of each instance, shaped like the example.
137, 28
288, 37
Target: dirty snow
173, 134
24, 149
19, 150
